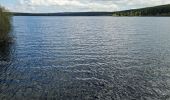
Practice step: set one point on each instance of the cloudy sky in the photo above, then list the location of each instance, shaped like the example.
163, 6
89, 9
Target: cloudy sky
77, 5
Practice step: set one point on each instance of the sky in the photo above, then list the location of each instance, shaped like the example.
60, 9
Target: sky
51, 6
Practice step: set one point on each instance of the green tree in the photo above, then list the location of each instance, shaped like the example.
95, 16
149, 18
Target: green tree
5, 24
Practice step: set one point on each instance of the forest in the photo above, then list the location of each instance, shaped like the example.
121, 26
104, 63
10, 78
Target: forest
163, 10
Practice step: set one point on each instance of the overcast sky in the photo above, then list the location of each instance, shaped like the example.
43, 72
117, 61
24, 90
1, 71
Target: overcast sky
77, 5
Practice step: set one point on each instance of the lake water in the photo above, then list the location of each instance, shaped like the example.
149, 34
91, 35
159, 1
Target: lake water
87, 58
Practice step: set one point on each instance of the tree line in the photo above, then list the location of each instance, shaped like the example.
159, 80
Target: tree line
163, 10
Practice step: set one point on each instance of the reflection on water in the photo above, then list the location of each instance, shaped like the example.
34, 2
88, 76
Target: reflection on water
5, 62
5, 52
78, 58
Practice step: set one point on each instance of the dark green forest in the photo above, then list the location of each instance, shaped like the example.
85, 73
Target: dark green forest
163, 10
65, 14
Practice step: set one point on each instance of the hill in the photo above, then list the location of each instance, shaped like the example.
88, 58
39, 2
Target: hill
66, 14
163, 10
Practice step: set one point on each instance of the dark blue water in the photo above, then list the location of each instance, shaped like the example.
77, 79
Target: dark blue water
87, 58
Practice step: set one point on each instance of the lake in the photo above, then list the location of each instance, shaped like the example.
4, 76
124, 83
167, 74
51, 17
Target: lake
87, 58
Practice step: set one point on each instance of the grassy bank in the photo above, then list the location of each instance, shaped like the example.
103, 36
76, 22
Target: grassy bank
5, 25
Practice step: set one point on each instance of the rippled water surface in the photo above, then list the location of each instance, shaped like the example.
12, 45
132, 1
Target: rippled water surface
87, 58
